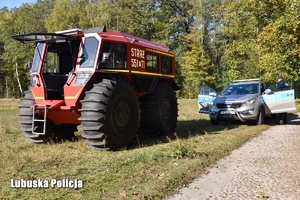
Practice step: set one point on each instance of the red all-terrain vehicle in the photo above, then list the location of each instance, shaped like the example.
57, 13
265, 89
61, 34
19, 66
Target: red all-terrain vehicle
113, 84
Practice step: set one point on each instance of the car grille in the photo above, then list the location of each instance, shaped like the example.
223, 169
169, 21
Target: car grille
234, 105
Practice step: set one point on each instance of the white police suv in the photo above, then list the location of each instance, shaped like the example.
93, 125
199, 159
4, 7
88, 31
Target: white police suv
246, 100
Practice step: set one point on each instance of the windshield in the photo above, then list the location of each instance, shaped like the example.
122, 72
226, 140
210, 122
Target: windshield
89, 52
37, 57
240, 89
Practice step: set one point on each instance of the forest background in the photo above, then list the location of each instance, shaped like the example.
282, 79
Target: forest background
215, 41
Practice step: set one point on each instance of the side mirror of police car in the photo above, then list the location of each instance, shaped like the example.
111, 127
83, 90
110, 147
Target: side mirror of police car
213, 94
268, 91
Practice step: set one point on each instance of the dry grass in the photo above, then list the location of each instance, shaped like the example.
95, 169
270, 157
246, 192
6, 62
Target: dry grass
149, 169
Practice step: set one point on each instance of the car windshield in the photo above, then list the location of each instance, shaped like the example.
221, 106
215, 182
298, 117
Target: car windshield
37, 57
240, 89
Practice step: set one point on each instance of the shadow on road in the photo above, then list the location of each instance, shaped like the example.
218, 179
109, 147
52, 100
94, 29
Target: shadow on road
293, 119
186, 129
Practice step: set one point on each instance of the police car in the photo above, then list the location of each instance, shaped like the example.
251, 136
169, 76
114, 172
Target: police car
247, 100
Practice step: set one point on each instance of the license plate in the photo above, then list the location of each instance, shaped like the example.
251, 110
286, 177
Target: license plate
227, 112
226, 116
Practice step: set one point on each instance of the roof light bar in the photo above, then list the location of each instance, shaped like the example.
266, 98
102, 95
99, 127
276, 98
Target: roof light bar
247, 80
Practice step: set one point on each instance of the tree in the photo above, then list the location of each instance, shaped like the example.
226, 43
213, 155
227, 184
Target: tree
208, 15
28, 18
196, 67
242, 27
66, 14
215, 41
262, 38
280, 42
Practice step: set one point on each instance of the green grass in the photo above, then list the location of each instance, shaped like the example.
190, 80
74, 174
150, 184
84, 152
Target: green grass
149, 169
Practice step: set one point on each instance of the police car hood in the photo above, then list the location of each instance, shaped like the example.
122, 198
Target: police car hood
234, 98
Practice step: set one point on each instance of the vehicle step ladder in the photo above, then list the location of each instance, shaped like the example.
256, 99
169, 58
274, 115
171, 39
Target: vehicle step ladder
43, 120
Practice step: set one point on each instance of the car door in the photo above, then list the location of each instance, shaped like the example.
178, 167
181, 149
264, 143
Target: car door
205, 98
279, 101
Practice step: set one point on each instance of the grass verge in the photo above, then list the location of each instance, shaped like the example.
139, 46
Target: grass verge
149, 169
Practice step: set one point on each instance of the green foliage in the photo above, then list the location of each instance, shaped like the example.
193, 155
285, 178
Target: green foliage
28, 18
264, 39
181, 150
67, 14
196, 67
262, 195
214, 41
243, 51
280, 44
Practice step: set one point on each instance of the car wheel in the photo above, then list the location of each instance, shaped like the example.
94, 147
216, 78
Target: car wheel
261, 117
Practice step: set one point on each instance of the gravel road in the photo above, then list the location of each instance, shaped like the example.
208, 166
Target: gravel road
266, 167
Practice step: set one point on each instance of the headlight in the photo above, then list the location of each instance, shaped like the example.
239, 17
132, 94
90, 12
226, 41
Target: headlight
213, 104
248, 103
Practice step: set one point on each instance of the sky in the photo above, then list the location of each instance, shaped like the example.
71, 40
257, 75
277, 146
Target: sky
14, 3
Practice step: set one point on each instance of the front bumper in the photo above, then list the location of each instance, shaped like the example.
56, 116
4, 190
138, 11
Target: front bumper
242, 114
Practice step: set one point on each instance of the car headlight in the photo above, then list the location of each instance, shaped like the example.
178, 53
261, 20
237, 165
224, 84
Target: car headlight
213, 104
248, 103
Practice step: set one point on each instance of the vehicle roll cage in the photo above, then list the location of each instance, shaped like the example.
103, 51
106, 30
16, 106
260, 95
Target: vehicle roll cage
43, 38
57, 37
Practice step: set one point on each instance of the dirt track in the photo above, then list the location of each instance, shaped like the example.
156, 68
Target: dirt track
267, 167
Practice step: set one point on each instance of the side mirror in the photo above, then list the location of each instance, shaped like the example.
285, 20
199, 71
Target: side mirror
212, 94
28, 65
268, 91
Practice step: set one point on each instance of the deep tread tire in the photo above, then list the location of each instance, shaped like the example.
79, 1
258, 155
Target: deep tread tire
148, 126
54, 132
26, 116
110, 114
166, 109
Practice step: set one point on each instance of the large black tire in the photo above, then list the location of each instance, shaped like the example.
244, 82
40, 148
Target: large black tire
166, 109
148, 126
110, 114
26, 116
54, 132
